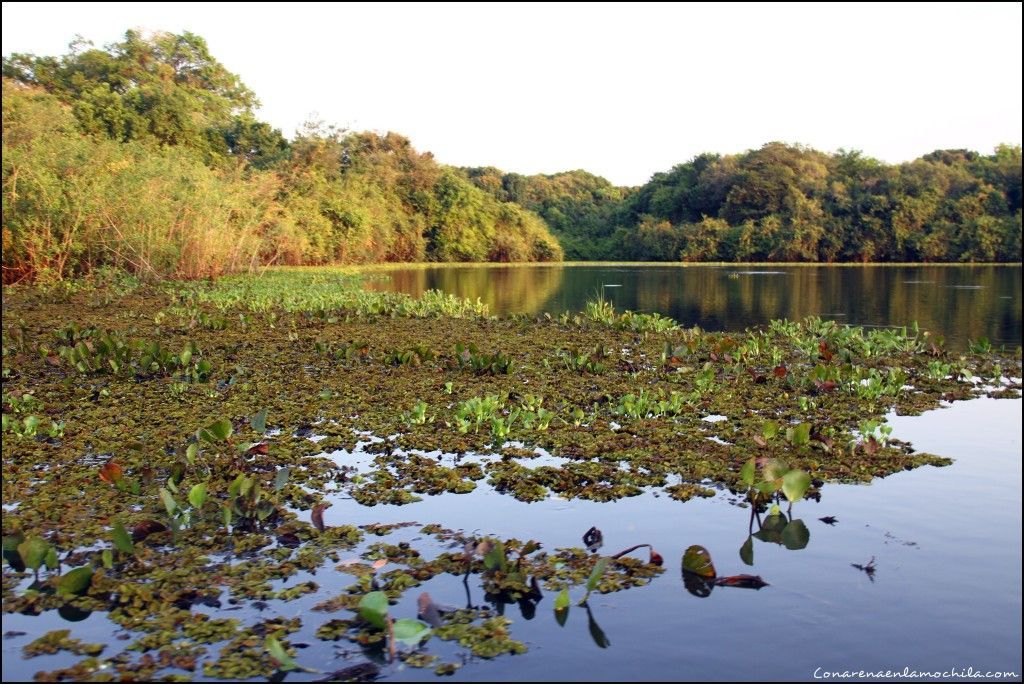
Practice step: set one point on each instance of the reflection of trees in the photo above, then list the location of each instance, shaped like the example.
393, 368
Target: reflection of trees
960, 302
937, 297
505, 290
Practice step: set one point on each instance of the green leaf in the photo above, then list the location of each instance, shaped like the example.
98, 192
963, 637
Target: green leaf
799, 435
747, 472
33, 551
51, 560
186, 355
221, 429
796, 536
495, 558
595, 574
766, 488
281, 478
277, 652
562, 600
122, 540
76, 581
410, 632
259, 421
374, 608
770, 429
11, 554
774, 469
197, 495
795, 484
10, 542
698, 561
107, 556
169, 502
747, 551
190, 453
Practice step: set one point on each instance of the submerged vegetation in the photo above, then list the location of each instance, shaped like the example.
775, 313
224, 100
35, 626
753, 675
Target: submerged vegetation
177, 447
146, 156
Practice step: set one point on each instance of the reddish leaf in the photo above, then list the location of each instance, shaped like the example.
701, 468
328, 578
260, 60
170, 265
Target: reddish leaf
111, 473
779, 371
379, 563
53, 360
827, 386
758, 378
262, 449
824, 351
318, 516
146, 528
742, 581
656, 558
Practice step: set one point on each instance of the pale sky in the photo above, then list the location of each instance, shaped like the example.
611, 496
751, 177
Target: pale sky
622, 91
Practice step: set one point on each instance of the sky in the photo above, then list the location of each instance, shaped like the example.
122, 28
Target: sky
623, 91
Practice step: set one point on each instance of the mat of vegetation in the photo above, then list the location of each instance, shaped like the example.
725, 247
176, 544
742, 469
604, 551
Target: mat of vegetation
168, 448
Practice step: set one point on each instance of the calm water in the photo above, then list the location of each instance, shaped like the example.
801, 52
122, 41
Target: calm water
959, 302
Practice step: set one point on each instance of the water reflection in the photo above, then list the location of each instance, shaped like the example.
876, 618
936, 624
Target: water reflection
776, 528
504, 289
959, 302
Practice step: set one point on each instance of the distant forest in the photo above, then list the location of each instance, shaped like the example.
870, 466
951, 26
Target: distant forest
146, 155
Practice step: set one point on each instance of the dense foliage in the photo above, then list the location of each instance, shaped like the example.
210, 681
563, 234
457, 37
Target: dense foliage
147, 155
787, 203
581, 209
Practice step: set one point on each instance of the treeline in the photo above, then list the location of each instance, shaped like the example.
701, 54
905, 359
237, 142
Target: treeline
146, 155
786, 203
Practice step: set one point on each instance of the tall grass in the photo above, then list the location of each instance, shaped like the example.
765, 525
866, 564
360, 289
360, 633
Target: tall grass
72, 203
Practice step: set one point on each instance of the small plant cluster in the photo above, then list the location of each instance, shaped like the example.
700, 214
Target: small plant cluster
91, 352
493, 411
346, 353
469, 357
644, 404
601, 310
415, 356
19, 418
594, 363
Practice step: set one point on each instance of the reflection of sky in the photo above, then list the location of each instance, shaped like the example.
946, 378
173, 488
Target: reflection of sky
958, 302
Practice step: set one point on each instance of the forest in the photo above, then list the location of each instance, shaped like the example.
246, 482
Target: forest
147, 155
